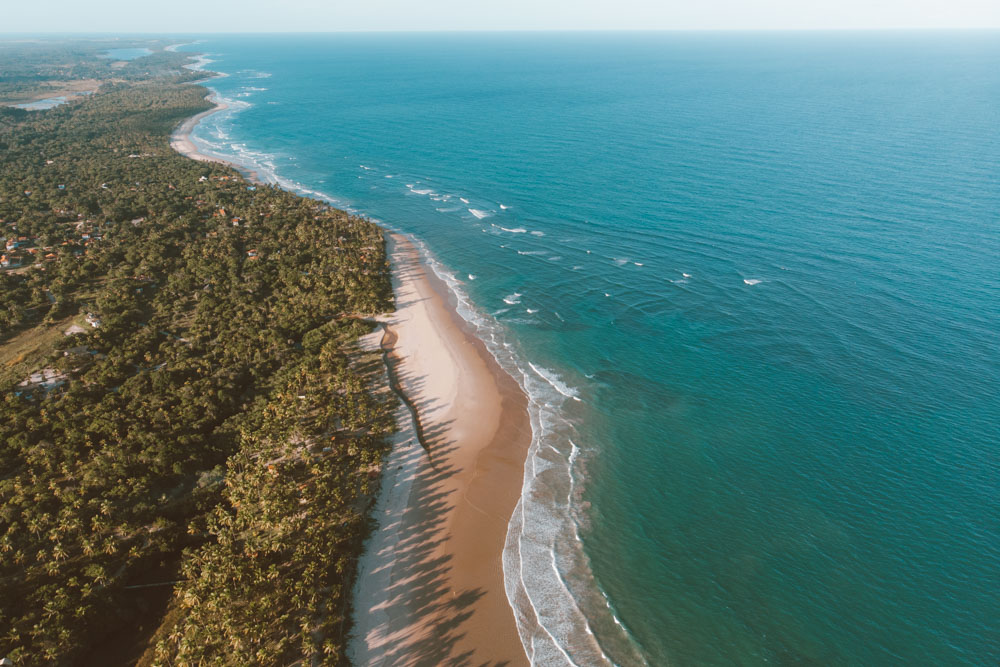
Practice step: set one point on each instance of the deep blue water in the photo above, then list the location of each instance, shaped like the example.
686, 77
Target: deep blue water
752, 284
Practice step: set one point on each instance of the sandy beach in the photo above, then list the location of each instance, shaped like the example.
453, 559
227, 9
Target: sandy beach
430, 588
181, 142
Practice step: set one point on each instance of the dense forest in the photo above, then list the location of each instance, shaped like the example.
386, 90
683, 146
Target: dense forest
189, 433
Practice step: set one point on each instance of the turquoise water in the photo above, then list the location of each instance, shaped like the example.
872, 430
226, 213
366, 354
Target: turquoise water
126, 54
751, 283
42, 105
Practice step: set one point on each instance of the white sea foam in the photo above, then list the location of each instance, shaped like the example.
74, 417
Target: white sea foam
531, 311
480, 214
199, 63
752, 281
463, 200
472, 277
504, 208
173, 47
515, 230
536, 233
512, 299
686, 275
533, 252
619, 261
555, 381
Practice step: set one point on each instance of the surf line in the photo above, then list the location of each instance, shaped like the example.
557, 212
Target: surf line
388, 343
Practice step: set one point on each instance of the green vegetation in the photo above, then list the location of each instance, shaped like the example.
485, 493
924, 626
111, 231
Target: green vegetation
183, 406
45, 67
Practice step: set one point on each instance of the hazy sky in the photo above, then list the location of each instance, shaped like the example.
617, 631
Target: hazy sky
187, 16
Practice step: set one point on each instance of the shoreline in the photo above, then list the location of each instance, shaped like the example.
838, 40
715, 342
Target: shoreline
430, 587
181, 141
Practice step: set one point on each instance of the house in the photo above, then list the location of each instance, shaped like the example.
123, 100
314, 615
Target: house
252, 254
93, 320
10, 261
47, 379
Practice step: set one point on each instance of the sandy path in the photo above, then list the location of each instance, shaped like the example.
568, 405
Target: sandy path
430, 588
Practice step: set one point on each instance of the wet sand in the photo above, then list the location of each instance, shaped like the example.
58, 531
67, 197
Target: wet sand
430, 588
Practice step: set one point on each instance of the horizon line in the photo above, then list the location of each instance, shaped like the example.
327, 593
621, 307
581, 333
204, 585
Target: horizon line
93, 33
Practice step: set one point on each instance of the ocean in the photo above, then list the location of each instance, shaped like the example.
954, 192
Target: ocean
751, 284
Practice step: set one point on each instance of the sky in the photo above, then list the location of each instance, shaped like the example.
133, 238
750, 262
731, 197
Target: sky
201, 16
